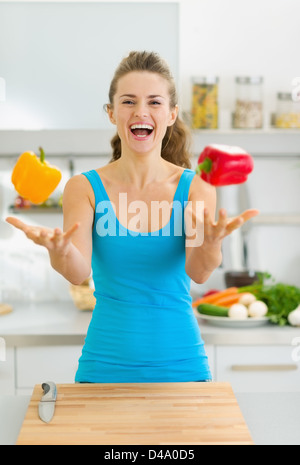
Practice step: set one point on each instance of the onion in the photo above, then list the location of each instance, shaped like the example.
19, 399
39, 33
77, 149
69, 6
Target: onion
258, 309
238, 312
294, 317
247, 299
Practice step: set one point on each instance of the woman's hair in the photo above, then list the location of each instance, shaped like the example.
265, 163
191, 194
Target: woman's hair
177, 140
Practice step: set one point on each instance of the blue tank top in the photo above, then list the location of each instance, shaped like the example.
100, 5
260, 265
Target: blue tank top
143, 328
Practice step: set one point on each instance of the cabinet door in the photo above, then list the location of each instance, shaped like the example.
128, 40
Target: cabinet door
35, 365
258, 368
7, 373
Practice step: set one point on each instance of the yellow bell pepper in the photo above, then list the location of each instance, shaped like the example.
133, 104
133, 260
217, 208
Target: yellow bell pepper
34, 179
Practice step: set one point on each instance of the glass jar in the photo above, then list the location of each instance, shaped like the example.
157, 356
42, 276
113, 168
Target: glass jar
249, 103
288, 111
205, 107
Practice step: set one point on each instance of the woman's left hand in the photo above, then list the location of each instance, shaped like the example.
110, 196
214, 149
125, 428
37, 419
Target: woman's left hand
215, 231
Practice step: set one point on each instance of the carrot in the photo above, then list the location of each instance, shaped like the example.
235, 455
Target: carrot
228, 300
211, 299
196, 302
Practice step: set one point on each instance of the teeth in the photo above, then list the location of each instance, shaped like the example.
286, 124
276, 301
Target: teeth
142, 126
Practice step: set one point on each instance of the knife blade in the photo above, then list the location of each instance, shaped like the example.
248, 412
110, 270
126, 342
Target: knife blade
47, 402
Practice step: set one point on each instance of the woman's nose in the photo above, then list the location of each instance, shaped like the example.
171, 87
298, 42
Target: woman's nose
141, 110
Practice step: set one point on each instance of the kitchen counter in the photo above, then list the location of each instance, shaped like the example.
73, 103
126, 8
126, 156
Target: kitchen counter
272, 418
62, 323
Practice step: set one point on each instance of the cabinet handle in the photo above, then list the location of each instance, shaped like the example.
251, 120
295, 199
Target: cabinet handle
264, 367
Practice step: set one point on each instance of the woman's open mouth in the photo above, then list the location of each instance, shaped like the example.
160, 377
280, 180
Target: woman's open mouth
141, 131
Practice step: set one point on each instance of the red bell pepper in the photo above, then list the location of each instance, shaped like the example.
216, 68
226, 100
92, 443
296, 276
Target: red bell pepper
222, 165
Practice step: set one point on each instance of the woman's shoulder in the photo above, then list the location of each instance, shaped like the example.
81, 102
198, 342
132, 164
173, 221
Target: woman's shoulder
200, 189
78, 187
77, 181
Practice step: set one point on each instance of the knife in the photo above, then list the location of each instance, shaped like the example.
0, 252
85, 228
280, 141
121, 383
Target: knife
47, 403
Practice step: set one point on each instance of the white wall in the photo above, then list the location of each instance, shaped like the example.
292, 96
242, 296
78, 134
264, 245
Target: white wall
58, 58
228, 38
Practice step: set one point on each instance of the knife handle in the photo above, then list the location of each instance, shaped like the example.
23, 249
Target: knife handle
50, 392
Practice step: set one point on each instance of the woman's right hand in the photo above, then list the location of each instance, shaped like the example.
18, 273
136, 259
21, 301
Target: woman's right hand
55, 240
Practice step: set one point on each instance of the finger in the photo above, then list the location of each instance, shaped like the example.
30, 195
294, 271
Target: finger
68, 234
16, 223
234, 224
222, 221
208, 221
248, 214
56, 235
44, 233
33, 234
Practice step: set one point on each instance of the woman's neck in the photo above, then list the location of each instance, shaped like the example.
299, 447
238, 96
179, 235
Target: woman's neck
140, 170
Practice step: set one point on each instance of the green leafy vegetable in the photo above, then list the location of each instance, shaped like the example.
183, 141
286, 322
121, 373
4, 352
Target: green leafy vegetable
280, 298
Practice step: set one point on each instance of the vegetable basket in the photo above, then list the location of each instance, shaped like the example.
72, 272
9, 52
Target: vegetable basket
83, 296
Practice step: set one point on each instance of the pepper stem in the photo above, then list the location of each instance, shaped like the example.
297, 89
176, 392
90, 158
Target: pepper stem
205, 166
42, 155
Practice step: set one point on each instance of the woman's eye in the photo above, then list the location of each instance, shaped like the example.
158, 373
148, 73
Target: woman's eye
155, 102
128, 102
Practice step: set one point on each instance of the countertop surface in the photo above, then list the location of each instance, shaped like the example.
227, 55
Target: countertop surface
63, 323
272, 418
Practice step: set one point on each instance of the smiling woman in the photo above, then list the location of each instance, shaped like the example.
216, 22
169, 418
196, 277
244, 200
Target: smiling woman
176, 141
143, 327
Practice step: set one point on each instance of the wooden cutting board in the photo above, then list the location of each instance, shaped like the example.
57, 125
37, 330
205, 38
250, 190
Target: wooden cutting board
138, 414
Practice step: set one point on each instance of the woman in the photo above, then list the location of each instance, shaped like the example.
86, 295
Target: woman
143, 328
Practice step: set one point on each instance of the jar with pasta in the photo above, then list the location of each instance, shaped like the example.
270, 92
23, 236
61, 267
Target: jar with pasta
288, 112
248, 112
205, 107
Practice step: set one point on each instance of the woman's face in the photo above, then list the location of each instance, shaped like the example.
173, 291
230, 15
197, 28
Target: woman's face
141, 111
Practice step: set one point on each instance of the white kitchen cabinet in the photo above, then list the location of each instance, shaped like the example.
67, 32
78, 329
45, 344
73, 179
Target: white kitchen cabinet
35, 365
258, 368
7, 374
249, 368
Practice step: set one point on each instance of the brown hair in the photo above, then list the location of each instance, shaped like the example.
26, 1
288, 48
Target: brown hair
176, 143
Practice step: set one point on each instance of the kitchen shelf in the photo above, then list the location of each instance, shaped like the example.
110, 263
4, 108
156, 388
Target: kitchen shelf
278, 220
96, 143
35, 210
234, 131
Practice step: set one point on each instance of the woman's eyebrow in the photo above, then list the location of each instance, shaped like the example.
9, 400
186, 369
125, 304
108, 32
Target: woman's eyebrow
128, 95
134, 96
155, 96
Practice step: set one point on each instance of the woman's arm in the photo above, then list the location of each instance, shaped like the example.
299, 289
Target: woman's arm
70, 250
204, 246
74, 263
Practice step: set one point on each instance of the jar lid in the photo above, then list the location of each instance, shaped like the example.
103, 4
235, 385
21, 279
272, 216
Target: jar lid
249, 79
287, 96
209, 80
